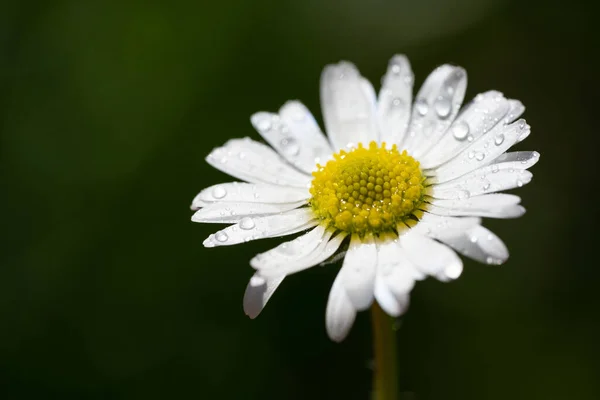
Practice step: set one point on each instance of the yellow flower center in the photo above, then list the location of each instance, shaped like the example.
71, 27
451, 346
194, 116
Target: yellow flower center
367, 190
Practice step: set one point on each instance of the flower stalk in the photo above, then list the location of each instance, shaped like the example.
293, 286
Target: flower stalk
385, 372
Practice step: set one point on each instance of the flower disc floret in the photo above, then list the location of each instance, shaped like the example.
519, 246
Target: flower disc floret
367, 190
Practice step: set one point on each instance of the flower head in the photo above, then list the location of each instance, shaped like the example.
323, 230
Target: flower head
406, 186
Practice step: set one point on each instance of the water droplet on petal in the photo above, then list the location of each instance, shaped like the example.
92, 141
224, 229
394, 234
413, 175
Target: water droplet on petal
474, 239
480, 156
396, 69
519, 183
290, 147
470, 138
454, 270
298, 113
264, 124
471, 154
499, 139
221, 236
422, 107
219, 192
247, 223
495, 168
257, 281
397, 102
443, 107
460, 130
464, 194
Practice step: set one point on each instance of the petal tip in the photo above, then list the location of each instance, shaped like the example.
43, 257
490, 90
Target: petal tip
208, 242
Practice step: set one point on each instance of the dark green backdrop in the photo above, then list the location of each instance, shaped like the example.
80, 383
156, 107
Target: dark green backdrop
107, 110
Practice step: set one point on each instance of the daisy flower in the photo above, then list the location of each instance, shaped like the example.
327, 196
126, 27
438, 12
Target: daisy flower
402, 186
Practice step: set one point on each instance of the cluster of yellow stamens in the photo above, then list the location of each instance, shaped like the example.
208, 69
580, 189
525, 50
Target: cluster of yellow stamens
367, 190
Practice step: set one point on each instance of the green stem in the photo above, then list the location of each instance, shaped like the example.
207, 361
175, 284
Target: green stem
385, 374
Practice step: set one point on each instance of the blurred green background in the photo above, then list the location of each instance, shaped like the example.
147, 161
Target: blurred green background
107, 110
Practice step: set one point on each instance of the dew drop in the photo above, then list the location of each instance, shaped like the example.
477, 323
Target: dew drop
257, 281
443, 107
489, 260
471, 154
298, 113
495, 168
397, 102
499, 139
460, 130
221, 236
247, 223
480, 156
486, 186
422, 107
290, 147
396, 69
219, 192
470, 138
519, 183
474, 239
464, 194
264, 124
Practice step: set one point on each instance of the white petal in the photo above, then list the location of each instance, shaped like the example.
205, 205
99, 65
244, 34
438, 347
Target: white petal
508, 171
340, 313
518, 159
358, 271
249, 229
295, 134
395, 98
392, 264
258, 292
385, 298
436, 106
290, 251
391, 304
516, 110
249, 193
436, 226
432, 224
323, 251
492, 245
431, 257
395, 277
495, 205
482, 151
477, 243
234, 212
348, 106
488, 179
478, 117
255, 162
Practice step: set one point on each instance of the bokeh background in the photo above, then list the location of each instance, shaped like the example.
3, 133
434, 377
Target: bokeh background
107, 110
